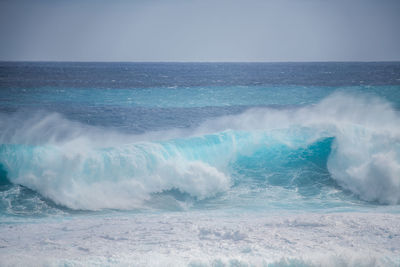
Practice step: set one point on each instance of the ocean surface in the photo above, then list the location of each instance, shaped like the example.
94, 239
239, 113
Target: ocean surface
200, 164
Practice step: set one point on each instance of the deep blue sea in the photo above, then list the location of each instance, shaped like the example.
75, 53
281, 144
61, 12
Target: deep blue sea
313, 148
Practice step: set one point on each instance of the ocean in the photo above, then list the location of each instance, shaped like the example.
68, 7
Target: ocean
199, 164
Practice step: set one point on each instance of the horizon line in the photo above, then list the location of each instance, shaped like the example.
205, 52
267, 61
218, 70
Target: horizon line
155, 61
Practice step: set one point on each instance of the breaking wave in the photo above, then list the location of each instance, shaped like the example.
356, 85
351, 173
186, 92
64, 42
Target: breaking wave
354, 139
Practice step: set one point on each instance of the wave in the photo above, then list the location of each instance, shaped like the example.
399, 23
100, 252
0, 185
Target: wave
355, 139
126, 176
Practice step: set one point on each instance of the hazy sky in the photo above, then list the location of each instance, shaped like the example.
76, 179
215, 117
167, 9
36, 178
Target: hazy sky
200, 30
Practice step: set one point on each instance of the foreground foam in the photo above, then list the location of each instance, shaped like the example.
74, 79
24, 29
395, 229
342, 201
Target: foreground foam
206, 238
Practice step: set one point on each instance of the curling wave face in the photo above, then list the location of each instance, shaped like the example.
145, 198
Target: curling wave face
346, 143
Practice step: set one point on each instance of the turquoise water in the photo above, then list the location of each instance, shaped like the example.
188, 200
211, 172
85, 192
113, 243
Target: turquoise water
186, 137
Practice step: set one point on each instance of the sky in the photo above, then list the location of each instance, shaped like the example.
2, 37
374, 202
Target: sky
200, 30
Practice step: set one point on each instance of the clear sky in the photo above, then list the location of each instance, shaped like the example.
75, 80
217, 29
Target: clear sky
200, 30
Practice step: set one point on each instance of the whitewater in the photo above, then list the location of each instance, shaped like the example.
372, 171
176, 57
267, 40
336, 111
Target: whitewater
200, 164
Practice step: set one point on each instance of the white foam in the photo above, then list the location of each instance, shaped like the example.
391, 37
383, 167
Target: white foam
120, 178
205, 239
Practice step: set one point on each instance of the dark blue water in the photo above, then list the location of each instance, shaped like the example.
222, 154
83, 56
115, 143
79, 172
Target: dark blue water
181, 136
